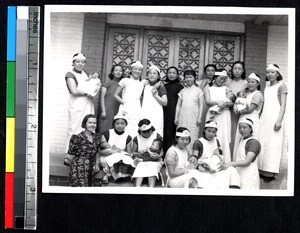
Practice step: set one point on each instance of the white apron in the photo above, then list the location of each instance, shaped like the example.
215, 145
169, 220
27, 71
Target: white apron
152, 110
223, 120
131, 94
204, 180
79, 107
249, 175
149, 168
271, 141
224, 178
254, 116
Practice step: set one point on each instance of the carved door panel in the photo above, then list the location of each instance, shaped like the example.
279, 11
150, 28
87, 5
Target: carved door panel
224, 50
122, 48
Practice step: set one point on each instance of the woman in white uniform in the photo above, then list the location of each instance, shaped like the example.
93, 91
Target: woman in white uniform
216, 94
154, 100
271, 132
80, 103
204, 150
181, 173
254, 100
142, 142
246, 158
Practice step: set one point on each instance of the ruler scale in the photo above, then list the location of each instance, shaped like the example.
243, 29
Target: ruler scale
30, 211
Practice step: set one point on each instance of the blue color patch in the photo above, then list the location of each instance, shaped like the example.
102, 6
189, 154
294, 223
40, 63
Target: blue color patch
11, 33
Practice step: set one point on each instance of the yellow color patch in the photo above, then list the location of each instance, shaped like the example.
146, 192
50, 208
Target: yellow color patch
10, 144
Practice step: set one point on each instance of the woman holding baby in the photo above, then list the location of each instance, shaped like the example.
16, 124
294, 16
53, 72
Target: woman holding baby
254, 103
207, 154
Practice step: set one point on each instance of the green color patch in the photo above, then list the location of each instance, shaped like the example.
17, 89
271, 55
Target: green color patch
11, 89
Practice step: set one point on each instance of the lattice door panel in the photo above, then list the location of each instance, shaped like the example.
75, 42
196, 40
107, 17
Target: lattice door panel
189, 52
157, 50
224, 51
122, 48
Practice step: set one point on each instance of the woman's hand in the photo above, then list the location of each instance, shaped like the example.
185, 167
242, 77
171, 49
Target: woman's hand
103, 115
225, 166
154, 91
193, 160
221, 104
192, 166
89, 96
201, 168
277, 125
198, 123
154, 156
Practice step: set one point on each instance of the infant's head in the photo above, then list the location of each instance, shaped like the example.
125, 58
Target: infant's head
104, 145
157, 145
95, 75
241, 94
231, 96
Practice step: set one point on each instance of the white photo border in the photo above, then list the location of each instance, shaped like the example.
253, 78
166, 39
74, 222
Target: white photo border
48, 89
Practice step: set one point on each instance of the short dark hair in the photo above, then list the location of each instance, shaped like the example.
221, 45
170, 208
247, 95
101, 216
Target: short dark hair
171, 67
279, 78
258, 87
85, 119
113, 123
111, 76
209, 65
189, 72
215, 76
180, 130
243, 76
145, 122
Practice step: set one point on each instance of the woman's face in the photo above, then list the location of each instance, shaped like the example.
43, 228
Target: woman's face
189, 80
220, 80
91, 124
136, 71
237, 70
210, 133
210, 71
120, 125
146, 133
118, 72
172, 74
79, 64
182, 142
272, 75
252, 84
153, 76
244, 129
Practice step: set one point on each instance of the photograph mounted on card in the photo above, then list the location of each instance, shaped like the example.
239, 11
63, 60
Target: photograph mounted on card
169, 100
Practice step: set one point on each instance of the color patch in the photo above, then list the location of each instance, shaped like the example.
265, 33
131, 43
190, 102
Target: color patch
9, 200
11, 33
11, 89
10, 144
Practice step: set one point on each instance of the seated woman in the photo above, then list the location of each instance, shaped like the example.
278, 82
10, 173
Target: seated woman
181, 173
247, 152
141, 143
114, 160
84, 147
207, 154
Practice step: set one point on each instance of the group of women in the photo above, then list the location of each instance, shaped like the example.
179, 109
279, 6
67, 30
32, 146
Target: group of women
136, 110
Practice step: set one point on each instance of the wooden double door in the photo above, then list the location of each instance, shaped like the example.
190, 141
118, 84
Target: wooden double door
169, 48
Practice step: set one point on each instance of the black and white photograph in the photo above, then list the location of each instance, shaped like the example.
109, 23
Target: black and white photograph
168, 100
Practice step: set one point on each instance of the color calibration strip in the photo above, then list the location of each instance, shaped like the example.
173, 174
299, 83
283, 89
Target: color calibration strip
23, 37
10, 117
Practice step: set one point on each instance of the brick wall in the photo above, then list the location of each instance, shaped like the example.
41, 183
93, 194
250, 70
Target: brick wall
277, 51
66, 38
93, 40
256, 37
